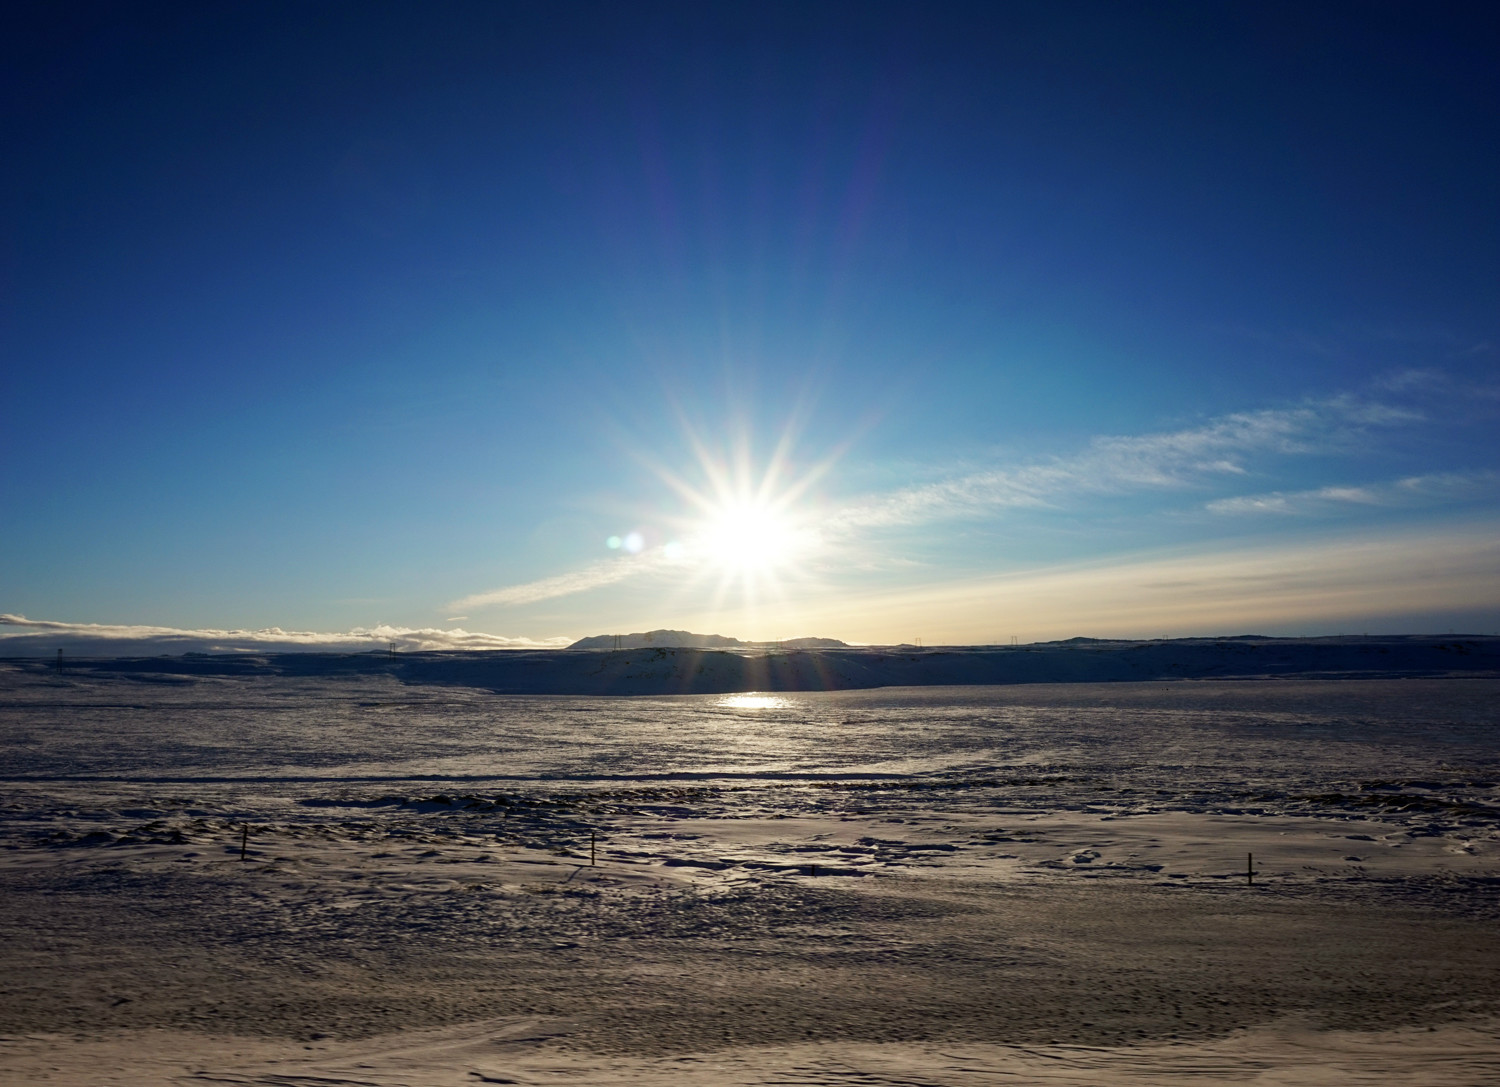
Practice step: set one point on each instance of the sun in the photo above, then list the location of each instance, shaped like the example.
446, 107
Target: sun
746, 534
749, 536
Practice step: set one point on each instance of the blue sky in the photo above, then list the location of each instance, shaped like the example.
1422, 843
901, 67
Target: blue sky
872, 321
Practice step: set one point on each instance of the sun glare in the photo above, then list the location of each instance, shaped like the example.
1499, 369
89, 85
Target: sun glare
746, 530
747, 537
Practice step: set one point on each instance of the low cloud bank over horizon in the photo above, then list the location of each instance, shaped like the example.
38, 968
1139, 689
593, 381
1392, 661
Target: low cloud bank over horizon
40, 637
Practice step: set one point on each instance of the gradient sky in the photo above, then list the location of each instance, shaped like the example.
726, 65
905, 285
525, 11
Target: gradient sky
872, 321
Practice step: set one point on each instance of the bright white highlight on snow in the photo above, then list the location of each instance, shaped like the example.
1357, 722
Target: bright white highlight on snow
753, 701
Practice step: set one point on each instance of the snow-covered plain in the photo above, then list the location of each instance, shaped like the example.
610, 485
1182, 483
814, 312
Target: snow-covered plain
441, 884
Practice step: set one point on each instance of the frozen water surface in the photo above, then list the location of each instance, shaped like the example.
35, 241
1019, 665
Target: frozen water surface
937, 885
1417, 754
374, 729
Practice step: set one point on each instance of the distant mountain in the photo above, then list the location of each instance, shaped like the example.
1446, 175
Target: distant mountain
683, 639
676, 639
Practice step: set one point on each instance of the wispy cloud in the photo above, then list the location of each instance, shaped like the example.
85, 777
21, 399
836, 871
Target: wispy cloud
41, 635
1122, 464
1422, 490
593, 576
1298, 502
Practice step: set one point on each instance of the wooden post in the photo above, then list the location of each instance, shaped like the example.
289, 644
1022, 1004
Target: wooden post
1249, 870
593, 842
244, 841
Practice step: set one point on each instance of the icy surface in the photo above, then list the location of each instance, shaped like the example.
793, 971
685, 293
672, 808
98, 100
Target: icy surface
374, 728
104, 757
933, 885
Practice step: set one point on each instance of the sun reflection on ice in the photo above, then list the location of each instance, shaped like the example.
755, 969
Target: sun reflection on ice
753, 701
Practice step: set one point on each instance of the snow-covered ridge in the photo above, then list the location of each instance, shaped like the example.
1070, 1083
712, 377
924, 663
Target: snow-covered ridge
690, 670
